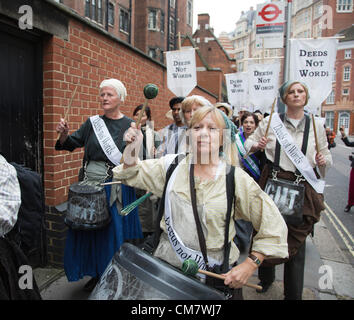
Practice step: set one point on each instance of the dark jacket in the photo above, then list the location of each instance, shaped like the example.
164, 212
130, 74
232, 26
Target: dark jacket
11, 259
349, 144
29, 230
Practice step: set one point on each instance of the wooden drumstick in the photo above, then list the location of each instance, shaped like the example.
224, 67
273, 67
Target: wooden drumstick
150, 92
190, 267
110, 183
219, 276
68, 109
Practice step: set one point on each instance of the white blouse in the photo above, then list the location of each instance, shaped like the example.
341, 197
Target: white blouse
252, 204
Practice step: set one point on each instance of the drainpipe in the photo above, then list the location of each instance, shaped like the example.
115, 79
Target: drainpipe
107, 5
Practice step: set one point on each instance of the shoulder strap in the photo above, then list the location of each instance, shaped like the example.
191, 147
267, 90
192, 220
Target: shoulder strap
230, 194
161, 208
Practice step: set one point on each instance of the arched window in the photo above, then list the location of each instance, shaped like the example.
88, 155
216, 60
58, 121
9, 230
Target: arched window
344, 120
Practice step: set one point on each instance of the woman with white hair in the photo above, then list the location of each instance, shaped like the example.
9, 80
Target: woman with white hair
89, 252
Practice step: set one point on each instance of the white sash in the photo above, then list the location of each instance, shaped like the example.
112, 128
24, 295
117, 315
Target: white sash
294, 153
105, 139
180, 249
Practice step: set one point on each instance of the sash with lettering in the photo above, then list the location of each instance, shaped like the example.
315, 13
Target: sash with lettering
177, 244
105, 140
251, 161
294, 154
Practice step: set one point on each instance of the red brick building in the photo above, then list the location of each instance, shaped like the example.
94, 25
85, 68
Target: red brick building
214, 61
339, 106
42, 62
149, 25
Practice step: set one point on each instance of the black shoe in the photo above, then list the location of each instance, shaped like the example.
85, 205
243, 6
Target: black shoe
90, 285
265, 287
347, 208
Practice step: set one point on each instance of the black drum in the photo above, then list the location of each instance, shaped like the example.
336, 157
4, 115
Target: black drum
87, 207
134, 274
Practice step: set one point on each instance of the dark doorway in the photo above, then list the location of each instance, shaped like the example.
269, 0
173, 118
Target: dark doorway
21, 97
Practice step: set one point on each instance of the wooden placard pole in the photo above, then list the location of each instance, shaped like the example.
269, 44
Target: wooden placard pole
315, 133
68, 109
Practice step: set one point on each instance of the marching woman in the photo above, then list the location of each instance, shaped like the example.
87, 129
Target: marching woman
151, 142
198, 215
252, 165
292, 157
89, 252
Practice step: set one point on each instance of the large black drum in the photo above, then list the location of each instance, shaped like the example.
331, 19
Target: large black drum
135, 275
87, 207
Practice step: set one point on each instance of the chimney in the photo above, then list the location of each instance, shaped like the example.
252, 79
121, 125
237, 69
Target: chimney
203, 21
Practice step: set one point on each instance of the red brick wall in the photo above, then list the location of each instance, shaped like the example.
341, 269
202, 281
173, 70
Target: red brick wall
211, 50
341, 20
87, 58
211, 81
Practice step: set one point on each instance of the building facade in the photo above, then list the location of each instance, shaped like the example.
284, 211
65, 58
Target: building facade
310, 19
215, 62
44, 57
152, 26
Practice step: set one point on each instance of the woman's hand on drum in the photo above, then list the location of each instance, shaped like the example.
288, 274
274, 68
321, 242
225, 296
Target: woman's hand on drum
238, 276
63, 129
134, 139
320, 160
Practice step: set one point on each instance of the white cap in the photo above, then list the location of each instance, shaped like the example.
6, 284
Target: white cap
117, 85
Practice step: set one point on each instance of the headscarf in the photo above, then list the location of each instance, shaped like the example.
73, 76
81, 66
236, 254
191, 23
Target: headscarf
229, 125
116, 85
287, 84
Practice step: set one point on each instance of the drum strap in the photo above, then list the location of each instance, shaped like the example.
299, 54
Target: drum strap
152, 242
230, 194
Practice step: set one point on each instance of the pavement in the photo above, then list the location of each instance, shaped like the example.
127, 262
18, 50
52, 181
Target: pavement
328, 275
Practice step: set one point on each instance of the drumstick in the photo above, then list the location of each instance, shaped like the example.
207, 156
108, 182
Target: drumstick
68, 109
315, 132
110, 183
190, 267
150, 92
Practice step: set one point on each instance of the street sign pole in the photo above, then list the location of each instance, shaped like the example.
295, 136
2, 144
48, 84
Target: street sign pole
287, 42
281, 106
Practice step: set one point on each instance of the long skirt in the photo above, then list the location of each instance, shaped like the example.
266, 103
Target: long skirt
87, 253
351, 189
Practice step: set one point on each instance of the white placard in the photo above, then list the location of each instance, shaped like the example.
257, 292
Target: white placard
312, 62
181, 71
237, 90
263, 85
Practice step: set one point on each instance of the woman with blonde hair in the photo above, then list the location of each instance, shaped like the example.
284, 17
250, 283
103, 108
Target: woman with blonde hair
199, 208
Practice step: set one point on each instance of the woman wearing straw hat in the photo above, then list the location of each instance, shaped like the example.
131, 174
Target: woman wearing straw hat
212, 153
89, 252
293, 154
